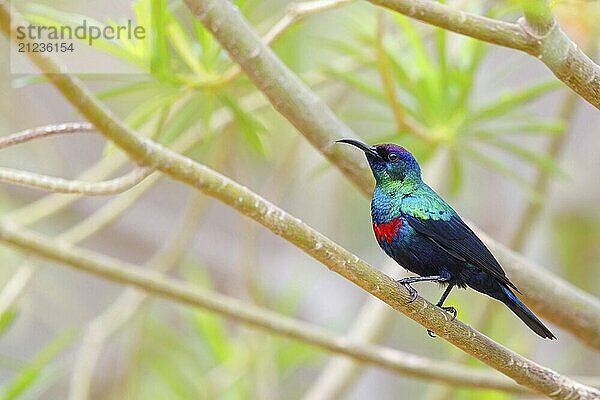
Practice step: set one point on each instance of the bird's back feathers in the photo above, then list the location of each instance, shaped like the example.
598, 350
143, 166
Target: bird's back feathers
459, 241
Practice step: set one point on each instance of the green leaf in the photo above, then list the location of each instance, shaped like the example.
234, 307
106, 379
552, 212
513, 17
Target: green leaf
161, 120
440, 46
210, 327
361, 84
400, 73
28, 80
49, 16
419, 50
144, 113
128, 88
508, 101
6, 319
147, 109
542, 161
555, 127
427, 87
170, 360
212, 331
143, 15
171, 364
159, 57
27, 376
474, 51
252, 129
186, 115
343, 47
210, 49
504, 170
184, 47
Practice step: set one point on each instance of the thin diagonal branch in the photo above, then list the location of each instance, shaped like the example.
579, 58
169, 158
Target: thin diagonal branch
52, 203
15, 287
160, 285
43, 131
60, 185
538, 35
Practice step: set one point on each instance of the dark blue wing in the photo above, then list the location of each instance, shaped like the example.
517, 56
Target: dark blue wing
458, 240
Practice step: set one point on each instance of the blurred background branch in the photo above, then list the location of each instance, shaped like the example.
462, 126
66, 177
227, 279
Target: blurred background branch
43, 131
128, 304
60, 185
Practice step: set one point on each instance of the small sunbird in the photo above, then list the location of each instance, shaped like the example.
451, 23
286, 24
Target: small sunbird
422, 233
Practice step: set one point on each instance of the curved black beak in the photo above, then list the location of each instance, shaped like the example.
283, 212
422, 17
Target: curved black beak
364, 147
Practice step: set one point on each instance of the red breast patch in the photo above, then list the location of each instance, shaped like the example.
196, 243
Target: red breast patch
387, 230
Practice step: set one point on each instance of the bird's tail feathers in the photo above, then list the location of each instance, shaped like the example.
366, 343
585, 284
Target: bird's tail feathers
525, 314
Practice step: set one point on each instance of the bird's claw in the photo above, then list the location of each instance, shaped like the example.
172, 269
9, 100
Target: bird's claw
448, 309
451, 310
411, 290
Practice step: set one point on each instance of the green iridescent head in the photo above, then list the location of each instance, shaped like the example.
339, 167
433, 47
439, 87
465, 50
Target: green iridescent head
389, 162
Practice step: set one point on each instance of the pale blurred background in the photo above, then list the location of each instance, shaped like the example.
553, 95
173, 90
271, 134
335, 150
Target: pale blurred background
169, 351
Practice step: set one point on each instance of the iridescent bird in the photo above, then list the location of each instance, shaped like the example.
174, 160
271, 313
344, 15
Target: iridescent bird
422, 233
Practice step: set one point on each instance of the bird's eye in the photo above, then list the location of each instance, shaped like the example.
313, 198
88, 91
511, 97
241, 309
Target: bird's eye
393, 157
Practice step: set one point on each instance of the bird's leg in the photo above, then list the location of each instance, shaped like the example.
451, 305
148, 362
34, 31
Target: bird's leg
440, 304
413, 293
444, 277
